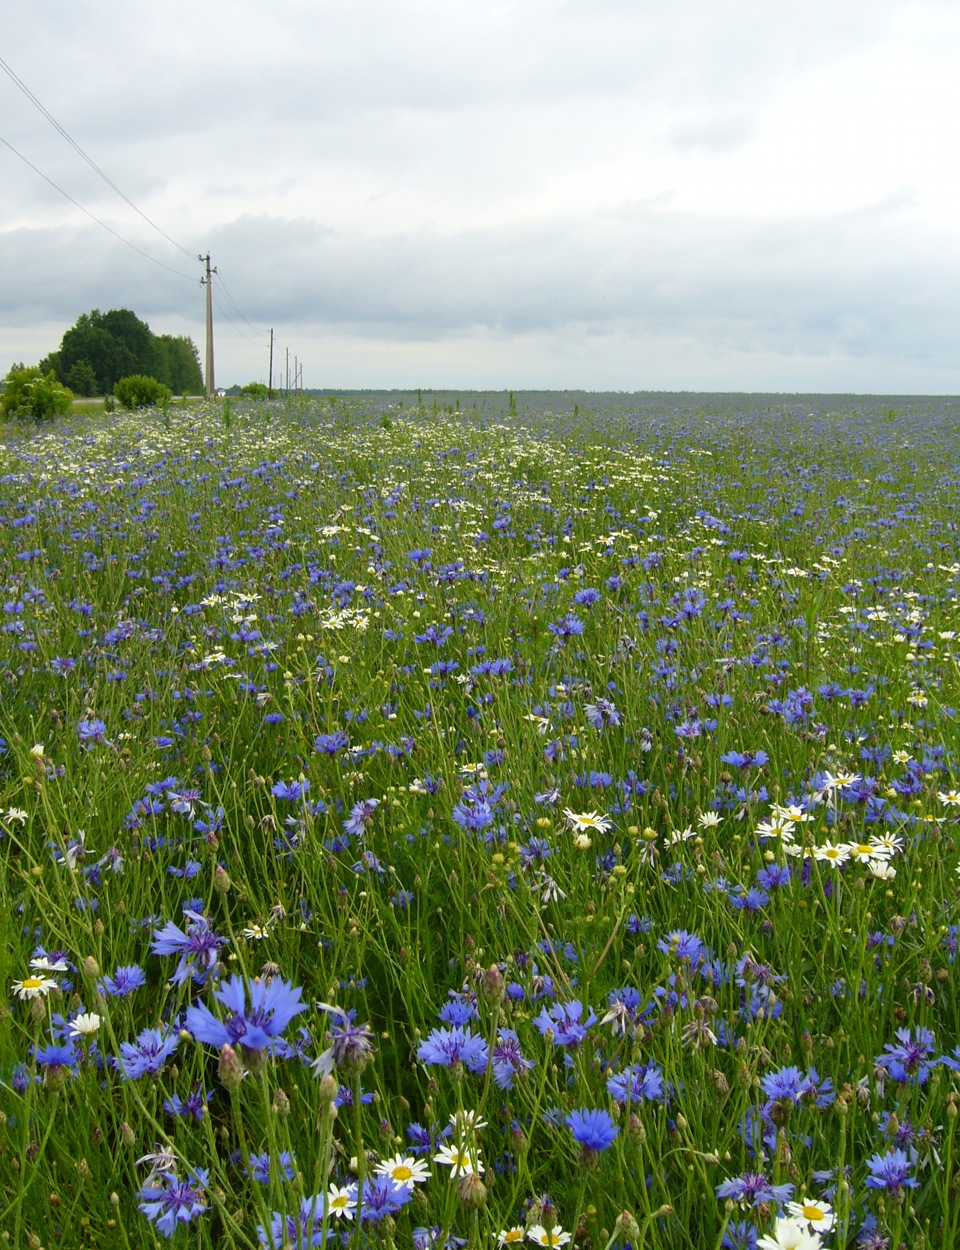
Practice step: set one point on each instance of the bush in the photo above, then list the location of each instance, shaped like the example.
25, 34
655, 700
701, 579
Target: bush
33, 395
140, 391
255, 390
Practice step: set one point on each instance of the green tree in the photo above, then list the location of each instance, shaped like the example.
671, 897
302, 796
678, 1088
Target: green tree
117, 344
81, 378
255, 390
181, 364
33, 395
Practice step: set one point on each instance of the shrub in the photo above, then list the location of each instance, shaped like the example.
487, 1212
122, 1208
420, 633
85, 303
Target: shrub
140, 391
255, 390
33, 395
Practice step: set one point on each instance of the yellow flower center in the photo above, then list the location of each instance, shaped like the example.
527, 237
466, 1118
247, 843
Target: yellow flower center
402, 1172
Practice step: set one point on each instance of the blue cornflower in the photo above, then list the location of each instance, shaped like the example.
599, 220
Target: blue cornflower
350, 1048
457, 1045
330, 744
91, 732
382, 1196
564, 1021
260, 1166
509, 1061
682, 945
290, 790
147, 1055
641, 1082
198, 948
890, 1171
458, 1011
740, 1235
55, 1058
744, 759
360, 816
194, 1104
752, 1189
587, 597
435, 634
300, 1231
910, 1060
273, 1004
594, 1130
569, 627
174, 1201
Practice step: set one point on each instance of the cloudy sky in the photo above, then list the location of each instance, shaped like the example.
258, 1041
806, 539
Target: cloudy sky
601, 194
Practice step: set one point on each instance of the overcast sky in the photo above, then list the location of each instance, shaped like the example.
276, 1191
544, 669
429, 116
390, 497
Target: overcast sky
601, 194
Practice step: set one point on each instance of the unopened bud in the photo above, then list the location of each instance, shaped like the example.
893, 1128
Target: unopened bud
221, 880
493, 987
126, 1134
281, 1105
90, 968
230, 1068
627, 1228
328, 1089
471, 1191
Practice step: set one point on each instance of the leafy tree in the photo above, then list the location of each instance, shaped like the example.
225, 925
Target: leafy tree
255, 390
31, 394
117, 344
140, 391
81, 379
178, 364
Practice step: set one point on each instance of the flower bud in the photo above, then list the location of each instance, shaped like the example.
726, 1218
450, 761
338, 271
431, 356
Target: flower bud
230, 1068
471, 1191
328, 1089
627, 1228
221, 880
493, 987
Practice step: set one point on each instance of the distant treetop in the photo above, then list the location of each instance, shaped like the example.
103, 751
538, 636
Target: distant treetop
101, 348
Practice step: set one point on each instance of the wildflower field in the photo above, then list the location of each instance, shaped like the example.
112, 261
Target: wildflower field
432, 828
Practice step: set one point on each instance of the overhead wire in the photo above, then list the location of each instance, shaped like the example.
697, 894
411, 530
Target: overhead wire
89, 160
21, 85
93, 217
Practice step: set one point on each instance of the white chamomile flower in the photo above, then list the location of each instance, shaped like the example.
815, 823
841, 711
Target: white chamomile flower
84, 1025
404, 1170
581, 822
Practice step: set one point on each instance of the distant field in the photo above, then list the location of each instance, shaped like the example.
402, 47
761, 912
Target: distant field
458, 819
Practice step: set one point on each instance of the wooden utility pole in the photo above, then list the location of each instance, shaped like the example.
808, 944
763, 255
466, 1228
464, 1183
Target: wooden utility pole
286, 389
207, 281
270, 382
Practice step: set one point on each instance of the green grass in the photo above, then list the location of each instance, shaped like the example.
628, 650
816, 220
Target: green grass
192, 608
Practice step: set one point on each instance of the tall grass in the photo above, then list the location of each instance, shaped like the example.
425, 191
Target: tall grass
559, 804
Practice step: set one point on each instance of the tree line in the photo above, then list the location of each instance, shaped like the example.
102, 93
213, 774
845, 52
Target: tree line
101, 348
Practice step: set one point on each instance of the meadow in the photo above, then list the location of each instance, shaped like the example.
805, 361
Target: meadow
458, 825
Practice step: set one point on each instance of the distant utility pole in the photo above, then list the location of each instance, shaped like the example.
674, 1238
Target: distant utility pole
208, 283
296, 390
270, 382
286, 389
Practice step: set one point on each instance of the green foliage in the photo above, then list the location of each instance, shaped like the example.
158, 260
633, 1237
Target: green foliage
32, 395
117, 344
140, 391
81, 379
255, 390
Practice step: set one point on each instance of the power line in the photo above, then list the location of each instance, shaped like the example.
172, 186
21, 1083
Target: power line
80, 152
236, 306
110, 230
223, 313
